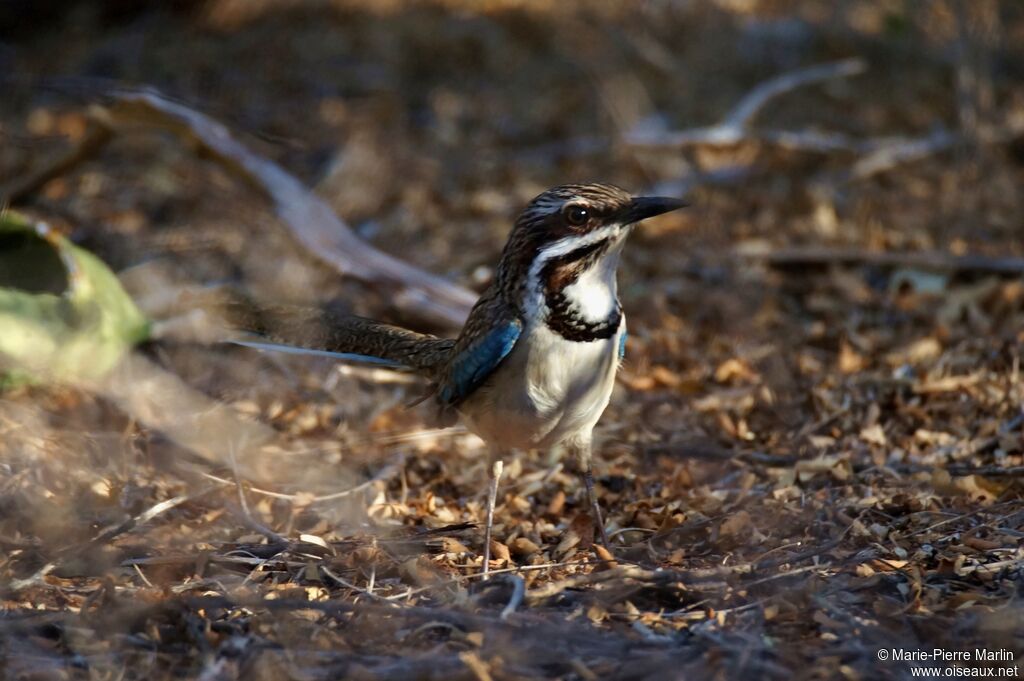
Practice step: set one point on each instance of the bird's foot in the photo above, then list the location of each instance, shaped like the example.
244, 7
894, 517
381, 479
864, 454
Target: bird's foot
602, 545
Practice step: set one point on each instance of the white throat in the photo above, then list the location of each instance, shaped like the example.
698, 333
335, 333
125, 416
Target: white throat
594, 293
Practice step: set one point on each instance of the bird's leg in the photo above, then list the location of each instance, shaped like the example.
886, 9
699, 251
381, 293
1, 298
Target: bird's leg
588, 480
582, 450
494, 476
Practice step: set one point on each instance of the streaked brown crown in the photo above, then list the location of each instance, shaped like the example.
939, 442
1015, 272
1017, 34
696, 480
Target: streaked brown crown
557, 212
554, 215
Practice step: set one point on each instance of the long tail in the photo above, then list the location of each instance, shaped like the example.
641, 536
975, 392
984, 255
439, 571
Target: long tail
308, 331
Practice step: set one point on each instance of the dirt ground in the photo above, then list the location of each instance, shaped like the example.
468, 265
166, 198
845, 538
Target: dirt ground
814, 455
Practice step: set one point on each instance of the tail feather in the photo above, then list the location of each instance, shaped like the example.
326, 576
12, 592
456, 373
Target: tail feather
341, 356
299, 330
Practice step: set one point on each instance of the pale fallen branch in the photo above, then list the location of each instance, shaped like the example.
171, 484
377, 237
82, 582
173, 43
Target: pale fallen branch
886, 156
35, 578
876, 155
992, 569
735, 127
691, 580
811, 141
744, 112
310, 220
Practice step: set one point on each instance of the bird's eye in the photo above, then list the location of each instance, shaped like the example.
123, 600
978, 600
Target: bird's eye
577, 216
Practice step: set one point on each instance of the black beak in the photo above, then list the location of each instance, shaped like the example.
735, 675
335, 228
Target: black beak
643, 207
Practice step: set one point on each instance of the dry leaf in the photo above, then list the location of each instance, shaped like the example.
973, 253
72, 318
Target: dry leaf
735, 370
557, 504
523, 547
499, 551
874, 435
736, 525
850, 361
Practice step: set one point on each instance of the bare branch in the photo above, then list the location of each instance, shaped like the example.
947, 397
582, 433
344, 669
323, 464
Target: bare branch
739, 118
312, 222
887, 156
734, 128
811, 141
877, 155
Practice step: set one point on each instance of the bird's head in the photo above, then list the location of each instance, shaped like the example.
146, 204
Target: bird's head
572, 229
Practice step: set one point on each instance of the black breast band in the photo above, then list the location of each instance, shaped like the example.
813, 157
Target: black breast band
563, 318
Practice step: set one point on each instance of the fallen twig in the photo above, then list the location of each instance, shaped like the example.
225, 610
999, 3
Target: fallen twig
479, 575
591, 578
147, 515
352, 587
251, 561
245, 517
383, 474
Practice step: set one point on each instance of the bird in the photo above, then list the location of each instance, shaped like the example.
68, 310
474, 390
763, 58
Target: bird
535, 362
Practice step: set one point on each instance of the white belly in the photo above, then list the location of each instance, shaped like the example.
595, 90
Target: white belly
546, 391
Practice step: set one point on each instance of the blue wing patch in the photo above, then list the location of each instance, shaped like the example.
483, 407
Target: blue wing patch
475, 363
622, 345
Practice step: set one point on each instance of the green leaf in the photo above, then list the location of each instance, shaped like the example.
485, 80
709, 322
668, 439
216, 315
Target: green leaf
63, 314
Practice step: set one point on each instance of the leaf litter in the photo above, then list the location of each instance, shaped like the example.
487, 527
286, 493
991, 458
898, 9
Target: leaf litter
802, 463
